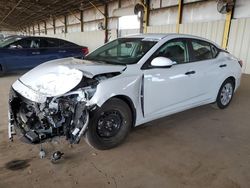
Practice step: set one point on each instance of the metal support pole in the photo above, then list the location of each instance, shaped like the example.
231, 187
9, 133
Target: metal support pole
82, 23
45, 27
119, 4
65, 24
179, 18
106, 22
145, 15
54, 26
33, 27
39, 32
227, 29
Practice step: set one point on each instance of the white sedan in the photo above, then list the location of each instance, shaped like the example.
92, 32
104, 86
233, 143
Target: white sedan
125, 83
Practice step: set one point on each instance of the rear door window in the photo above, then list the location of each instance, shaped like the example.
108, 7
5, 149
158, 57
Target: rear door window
201, 50
49, 43
66, 44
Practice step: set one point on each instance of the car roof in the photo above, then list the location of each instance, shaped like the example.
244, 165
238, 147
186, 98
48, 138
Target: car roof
159, 36
27, 36
148, 36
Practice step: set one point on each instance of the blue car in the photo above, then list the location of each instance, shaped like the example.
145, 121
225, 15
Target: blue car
23, 52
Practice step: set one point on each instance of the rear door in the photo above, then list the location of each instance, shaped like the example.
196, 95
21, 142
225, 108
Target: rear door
203, 56
50, 49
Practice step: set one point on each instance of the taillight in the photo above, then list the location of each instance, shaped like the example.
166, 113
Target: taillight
85, 51
241, 63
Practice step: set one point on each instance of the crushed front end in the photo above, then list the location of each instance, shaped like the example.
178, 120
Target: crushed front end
67, 116
54, 100
36, 118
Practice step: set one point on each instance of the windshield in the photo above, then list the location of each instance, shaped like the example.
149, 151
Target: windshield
122, 51
9, 41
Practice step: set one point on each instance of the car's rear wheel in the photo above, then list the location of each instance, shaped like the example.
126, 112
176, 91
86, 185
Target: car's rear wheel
109, 125
225, 94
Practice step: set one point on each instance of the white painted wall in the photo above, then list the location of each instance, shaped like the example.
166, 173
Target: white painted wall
163, 17
91, 39
201, 12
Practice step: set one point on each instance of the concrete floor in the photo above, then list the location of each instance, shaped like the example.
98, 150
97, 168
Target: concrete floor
202, 147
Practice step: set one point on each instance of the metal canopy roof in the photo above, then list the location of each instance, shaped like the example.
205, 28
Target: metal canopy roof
16, 14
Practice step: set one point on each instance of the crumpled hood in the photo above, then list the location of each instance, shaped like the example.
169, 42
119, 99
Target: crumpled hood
60, 76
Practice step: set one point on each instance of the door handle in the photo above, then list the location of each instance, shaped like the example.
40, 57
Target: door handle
35, 53
62, 51
190, 72
224, 65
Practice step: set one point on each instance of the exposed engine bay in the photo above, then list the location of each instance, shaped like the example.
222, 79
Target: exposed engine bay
65, 115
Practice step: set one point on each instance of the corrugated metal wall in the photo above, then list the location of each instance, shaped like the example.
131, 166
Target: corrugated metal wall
210, 30
171, 28
239, 41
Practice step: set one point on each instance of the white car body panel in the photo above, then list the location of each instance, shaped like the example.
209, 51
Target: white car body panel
165, 90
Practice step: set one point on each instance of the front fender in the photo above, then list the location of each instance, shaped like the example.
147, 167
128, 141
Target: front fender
129, 86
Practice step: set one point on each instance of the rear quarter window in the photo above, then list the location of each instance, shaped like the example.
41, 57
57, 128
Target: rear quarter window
215, 51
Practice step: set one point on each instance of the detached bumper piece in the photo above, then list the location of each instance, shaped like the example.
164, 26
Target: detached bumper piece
36, 123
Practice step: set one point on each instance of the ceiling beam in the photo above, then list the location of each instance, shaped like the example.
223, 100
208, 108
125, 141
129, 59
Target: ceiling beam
18, 3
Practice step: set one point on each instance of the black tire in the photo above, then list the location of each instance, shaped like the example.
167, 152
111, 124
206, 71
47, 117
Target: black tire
114, 113
219, 101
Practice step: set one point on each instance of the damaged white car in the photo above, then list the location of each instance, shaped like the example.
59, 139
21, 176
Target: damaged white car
125, 83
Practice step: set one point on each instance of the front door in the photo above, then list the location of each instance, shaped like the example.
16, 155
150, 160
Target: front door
175, 88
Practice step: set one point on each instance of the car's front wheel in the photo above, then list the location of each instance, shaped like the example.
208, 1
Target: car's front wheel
109, 125
225, 94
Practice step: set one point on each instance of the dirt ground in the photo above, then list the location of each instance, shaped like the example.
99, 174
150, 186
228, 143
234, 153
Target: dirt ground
202, 147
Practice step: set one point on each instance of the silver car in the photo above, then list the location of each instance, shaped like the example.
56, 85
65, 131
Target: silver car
123, 84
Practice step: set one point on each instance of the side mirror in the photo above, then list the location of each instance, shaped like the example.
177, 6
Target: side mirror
162, 62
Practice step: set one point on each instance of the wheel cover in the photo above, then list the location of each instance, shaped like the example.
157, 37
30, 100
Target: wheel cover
109, 124
226, 94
